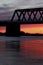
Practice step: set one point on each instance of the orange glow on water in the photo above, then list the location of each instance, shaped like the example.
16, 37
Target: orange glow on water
32, 48
32, 28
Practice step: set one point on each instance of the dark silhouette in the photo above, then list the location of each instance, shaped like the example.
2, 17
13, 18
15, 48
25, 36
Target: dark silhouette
2, 34
28, 34
12, 29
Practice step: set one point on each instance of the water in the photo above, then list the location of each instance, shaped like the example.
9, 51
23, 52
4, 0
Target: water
22, 52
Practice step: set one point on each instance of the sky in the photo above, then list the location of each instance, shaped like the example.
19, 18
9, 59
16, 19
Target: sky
32, 28
14, 3
2, 29
7, 7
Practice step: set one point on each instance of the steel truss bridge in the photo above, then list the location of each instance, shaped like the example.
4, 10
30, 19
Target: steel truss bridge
23, 16
28, 15
34, 15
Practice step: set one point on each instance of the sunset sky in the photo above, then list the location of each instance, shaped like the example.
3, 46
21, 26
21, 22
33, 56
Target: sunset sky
32, 28
2, 29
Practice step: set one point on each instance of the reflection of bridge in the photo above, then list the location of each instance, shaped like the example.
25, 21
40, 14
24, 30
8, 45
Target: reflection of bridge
22, 16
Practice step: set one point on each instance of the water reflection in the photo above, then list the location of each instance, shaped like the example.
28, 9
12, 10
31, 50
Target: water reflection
32, 48
9, 52
24, 52
13, 45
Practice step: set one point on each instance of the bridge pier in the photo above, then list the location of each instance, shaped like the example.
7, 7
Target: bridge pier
13, 29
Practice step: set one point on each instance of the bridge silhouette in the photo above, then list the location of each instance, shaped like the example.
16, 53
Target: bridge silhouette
22, 16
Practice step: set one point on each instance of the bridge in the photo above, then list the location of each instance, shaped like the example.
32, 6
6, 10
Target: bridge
22, 16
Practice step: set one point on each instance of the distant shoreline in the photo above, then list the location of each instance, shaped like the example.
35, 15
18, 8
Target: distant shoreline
28, 34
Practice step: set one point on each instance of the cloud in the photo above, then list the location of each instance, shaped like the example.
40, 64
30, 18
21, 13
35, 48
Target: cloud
6, 15
7, 7
21, 3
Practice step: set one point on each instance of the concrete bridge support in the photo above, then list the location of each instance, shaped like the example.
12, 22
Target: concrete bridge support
13, 29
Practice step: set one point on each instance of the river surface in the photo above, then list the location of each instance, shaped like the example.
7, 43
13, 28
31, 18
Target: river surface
22, 52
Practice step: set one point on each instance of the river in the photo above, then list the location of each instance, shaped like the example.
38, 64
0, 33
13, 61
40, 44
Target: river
26, 51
